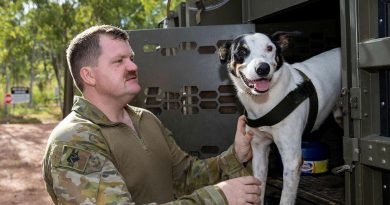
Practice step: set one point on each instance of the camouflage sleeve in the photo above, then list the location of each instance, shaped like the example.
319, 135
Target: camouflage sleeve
210, 195
191, 173
86, 177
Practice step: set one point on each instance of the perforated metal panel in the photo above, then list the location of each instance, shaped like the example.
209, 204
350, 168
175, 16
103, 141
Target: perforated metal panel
185, 85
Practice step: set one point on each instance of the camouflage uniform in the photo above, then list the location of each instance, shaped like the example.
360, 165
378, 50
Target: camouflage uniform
91, 160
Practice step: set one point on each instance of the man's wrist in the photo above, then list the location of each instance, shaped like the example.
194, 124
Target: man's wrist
230, 161
239, 159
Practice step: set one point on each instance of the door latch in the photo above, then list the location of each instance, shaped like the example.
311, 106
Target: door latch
343, 168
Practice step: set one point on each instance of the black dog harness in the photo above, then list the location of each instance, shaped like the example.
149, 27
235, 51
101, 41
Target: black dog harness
288, 104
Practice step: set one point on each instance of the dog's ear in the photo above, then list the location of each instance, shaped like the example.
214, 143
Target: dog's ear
282, 38
224, 52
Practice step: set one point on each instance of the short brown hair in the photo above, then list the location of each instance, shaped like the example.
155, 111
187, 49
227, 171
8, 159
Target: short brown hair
84, 49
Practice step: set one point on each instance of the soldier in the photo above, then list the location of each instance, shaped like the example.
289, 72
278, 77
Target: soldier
107, 152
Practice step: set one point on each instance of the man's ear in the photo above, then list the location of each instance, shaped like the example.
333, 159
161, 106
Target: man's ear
282, 38
86, 73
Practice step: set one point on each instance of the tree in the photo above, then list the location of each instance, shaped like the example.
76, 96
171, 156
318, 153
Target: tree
35, 33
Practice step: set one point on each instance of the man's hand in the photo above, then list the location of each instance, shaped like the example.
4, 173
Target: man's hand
242, 141
241, 190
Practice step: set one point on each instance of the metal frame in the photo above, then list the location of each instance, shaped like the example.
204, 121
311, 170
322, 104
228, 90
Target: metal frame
365, 150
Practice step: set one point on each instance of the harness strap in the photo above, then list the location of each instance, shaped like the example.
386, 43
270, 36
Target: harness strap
290, 103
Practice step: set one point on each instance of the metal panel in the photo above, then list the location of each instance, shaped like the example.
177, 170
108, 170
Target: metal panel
386, 187
185, 85
215, 13
368, 19
370, 110
254, 9
375, 151
384, 75
375, 53
351, 149
384, 79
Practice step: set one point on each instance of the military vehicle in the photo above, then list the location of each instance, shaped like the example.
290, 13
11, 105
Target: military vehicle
185, 85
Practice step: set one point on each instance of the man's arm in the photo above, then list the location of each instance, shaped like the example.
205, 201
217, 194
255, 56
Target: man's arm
85, 176
80, 176
190, 173
242, 141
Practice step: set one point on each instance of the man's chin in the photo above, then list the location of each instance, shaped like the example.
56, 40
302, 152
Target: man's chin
134, 90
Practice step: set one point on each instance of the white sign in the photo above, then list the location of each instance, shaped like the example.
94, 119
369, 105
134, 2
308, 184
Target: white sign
20, 95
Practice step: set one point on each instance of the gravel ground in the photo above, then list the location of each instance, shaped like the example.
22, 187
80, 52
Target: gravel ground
21, 150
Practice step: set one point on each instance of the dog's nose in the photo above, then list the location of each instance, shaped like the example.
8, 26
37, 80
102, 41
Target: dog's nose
263, 69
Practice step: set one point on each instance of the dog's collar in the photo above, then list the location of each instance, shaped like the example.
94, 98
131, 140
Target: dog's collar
288, 104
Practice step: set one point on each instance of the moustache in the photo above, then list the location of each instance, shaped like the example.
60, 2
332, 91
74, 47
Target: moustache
131, 75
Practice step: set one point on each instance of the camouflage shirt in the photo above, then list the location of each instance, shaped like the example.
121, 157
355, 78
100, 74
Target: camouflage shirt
91, 160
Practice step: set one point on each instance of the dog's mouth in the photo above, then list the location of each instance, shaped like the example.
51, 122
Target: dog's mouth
260, 85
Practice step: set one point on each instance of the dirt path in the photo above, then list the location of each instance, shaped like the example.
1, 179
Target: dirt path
21, 150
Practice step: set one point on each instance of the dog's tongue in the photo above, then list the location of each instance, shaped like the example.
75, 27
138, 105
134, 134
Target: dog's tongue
262, 85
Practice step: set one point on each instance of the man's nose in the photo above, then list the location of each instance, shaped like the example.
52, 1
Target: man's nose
131, 65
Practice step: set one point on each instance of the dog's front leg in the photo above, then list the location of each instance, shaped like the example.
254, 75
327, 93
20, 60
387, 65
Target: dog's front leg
291, 154
261, 148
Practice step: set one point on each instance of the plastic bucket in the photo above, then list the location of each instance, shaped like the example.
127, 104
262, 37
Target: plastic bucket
315, 158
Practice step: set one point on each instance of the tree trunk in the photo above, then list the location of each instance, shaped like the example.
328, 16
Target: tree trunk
32, 78
57, 73
6, 91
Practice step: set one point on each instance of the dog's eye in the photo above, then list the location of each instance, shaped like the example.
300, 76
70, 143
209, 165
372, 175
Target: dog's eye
242, 52
269, 48
240, 55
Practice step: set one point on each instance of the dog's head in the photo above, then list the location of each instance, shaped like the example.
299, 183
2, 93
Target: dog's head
253, 60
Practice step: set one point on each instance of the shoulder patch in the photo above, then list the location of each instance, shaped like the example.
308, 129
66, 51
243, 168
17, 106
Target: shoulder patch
74, 158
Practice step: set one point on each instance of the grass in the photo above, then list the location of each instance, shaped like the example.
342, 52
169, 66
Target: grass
22, 114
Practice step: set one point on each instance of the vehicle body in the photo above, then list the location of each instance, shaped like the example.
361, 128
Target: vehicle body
186, 87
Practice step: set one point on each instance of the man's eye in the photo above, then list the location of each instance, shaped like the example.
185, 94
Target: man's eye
119, 61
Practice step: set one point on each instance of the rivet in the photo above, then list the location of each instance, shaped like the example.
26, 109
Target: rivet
369, 158
385, 186
382, 103
369, 146
344, 91
384, 149
383, 161
365, 91
365, 114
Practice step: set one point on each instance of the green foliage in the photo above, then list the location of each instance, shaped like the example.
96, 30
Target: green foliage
34, 35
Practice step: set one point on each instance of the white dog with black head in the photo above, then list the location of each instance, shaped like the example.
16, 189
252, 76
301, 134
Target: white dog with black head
284, 100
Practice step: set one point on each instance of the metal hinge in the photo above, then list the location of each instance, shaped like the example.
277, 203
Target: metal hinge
351, 149
355, 101
351, 155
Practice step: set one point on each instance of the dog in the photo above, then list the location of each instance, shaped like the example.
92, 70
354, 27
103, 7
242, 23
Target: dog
282, 101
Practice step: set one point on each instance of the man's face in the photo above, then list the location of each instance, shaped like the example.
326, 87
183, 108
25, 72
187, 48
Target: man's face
116, 73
